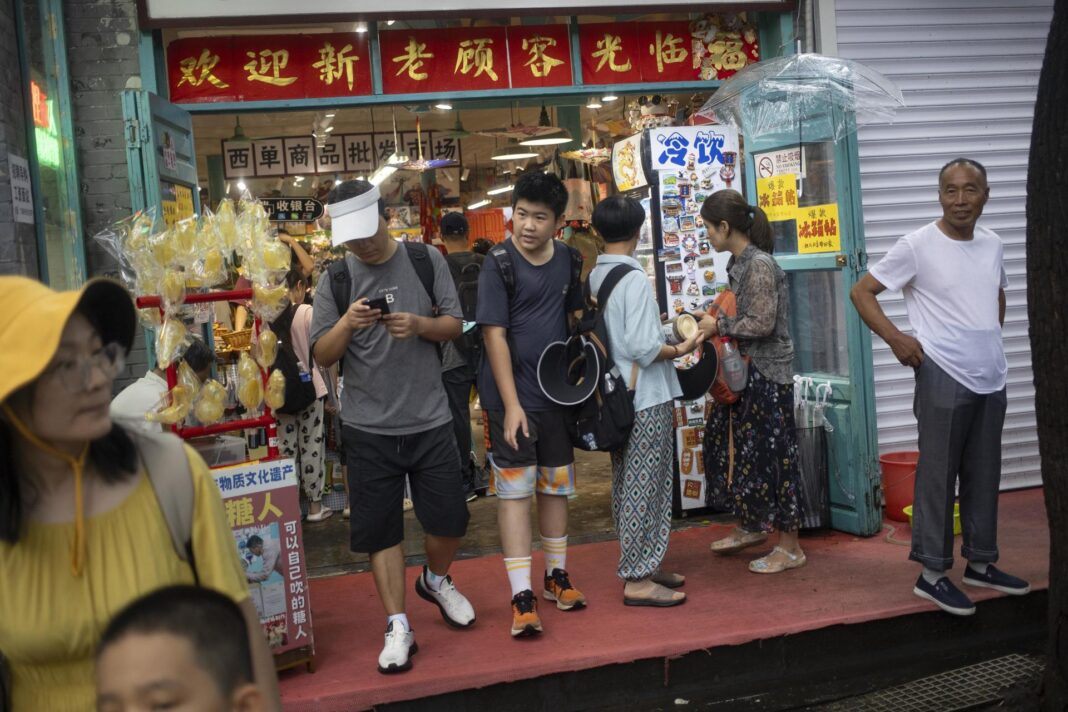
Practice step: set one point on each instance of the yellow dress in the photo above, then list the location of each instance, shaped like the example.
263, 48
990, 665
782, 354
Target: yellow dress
51, 622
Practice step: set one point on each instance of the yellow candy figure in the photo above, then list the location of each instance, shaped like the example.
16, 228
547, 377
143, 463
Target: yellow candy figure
225, 223
269, 302
249, 385
276, 390
212, 403
276, 255
266, 349
173, 289
170, 341
174, 408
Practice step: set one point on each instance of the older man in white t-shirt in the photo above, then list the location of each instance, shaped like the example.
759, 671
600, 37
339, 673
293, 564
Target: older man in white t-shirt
952, 276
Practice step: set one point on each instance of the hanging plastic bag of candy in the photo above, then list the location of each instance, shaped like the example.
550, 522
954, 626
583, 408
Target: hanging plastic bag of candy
127, 242
183, 239
211, 405
249, 383
173, 292
265, 348
276, 390
187, 377
173, 407
225, 222
269, 302
210, 266
171, 341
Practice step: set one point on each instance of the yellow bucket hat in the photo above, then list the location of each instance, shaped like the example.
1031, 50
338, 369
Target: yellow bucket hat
32, 318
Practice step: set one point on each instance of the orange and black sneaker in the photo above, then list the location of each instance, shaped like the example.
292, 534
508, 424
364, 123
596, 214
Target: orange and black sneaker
525, 621
558, 588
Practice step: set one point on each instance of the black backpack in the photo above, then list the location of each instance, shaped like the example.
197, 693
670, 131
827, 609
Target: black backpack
604, 420
300, 389
503, 258
466, 275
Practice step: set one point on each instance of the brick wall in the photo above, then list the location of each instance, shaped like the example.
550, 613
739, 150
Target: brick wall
18, 241
102, 52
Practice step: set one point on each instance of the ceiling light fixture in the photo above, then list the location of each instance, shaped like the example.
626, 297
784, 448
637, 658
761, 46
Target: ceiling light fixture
389, 23
500, 188
241, 185
593, 103
479, 204
331, 115
361, 27
329, 129
443, 106
550, 139
609, 97
512, 151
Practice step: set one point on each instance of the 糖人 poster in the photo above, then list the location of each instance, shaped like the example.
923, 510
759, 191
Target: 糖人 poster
263, 510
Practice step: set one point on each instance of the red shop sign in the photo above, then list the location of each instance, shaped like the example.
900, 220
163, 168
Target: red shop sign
268, 67
610, 53
539, 56
666, 52
461, 59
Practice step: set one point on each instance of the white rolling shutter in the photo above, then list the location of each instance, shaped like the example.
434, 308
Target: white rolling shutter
969, 72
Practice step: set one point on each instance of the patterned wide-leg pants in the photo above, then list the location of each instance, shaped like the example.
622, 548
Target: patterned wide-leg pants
641, 493
300, 437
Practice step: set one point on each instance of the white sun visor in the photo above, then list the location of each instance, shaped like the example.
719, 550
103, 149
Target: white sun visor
355, 218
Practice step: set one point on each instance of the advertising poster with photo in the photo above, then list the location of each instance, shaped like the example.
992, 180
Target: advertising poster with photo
263, 510
692, 163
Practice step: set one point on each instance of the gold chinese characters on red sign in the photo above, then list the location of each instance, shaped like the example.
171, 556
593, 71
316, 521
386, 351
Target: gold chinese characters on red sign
260, 68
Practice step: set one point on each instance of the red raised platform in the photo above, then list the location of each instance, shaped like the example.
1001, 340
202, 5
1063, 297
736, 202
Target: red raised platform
848, 580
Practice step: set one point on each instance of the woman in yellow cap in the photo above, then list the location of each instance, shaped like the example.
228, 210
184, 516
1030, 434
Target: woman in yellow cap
82, 532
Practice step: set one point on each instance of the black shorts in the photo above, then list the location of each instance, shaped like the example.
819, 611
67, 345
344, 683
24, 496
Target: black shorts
377, 465
544, 462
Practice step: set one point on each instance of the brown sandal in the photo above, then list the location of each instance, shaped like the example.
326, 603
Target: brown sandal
738, 540
659, 597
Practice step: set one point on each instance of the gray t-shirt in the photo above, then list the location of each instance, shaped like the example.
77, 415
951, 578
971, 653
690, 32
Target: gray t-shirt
392, 386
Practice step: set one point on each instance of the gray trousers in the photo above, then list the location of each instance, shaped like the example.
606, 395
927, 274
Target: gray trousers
960, 436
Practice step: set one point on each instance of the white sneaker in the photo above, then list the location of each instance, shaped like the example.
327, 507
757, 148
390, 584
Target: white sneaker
455, 608
399, 648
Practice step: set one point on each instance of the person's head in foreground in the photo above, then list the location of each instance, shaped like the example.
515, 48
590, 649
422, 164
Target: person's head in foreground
59, 355
618, 219
538, 204
179, 648
358, 221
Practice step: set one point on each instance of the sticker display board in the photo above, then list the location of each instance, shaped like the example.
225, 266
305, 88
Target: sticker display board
263, 510
691, 163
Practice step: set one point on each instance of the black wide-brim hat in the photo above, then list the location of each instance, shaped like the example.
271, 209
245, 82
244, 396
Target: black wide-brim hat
696, 381
568, 371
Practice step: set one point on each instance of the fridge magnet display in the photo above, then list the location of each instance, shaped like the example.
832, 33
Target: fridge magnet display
704, 247
670, 253
693, 290
684, 190
708, 290
689, 242
671, 239
678, 306
672, 267
670, 179
675, 283
669, 225
671, 206
688, 223
710, 275
706, 262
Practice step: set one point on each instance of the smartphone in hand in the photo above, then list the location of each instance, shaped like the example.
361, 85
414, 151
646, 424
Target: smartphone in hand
380, 304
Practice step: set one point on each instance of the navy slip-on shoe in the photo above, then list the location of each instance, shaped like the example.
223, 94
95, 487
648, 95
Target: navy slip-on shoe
945, 595
997, 580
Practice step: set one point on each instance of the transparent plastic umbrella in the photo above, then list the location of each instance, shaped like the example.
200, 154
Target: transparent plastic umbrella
829, 96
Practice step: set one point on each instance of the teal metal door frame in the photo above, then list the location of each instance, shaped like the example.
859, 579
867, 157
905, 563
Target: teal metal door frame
853, 446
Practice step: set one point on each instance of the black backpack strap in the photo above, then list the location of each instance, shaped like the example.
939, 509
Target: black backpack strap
576, 285
614, 277
340, 284
506, 267
419, 254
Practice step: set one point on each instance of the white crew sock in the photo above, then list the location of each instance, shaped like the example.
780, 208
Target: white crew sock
401, 618
931, 576
518, 573
978, 567
555, 551
432, 580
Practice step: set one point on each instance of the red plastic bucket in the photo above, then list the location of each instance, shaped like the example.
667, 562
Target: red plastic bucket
899, 480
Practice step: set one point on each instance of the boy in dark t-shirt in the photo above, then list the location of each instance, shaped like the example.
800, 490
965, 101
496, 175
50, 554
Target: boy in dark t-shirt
530, 449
